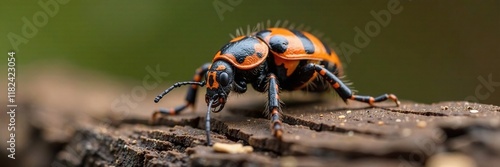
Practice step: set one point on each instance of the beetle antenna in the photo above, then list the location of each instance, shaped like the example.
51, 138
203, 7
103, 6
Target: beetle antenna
176, 85
207, 122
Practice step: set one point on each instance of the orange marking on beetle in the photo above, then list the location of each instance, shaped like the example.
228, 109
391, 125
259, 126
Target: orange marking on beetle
371, 100
237, 38
220, 68
274, 111
336, 85
197, 78
171, 111
277, 89
215, 84
250, 61
320, 50
290, 65
295, 46
278, 31
317, 44
296, 50
322, 72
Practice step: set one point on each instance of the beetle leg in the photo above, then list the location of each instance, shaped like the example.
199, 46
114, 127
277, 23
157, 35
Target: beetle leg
274, 106
240, 86
345, 92
190, 97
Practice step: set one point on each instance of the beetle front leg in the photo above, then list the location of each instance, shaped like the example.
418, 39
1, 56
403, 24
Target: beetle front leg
274, 106
240, 85
345, 92
190, 97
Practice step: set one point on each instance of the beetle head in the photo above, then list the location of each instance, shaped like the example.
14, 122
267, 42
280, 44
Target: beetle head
219, 79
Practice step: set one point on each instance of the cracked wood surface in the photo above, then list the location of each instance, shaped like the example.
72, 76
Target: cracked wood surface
84, 130
317, 133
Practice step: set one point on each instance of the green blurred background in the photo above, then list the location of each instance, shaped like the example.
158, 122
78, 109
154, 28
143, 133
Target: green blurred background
431, 51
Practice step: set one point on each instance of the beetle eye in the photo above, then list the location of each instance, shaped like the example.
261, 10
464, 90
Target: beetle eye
224, 79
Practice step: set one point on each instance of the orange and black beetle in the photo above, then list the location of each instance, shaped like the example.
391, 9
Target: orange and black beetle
270, 60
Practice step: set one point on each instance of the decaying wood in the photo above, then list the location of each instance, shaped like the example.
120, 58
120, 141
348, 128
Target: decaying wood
83, 131
316, 134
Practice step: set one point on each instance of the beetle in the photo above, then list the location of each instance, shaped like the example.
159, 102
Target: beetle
271, 60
